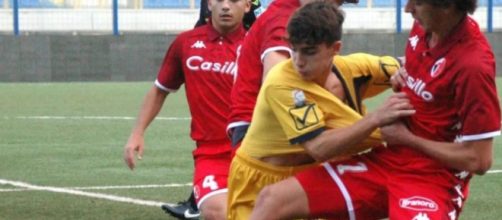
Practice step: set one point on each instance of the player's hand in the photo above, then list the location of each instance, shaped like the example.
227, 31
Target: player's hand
395, 133
135, 144
395, 107
398, 80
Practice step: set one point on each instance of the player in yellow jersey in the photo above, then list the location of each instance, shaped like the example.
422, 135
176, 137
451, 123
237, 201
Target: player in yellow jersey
309, 108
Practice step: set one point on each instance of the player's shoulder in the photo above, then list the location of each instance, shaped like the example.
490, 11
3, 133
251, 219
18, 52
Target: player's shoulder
282, 73
474, 56
198, 32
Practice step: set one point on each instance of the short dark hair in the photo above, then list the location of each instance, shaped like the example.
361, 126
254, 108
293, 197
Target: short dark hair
316, 23
467, 6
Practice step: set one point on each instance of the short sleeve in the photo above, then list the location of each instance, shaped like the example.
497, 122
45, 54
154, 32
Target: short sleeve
299, 116
478, 104
170, 76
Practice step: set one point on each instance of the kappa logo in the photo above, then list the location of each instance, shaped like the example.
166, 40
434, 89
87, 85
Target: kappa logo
198, 44
304, 116
418, 203
421, 216
413, 41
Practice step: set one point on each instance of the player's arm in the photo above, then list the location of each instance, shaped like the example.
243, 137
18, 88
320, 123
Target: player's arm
473, 156
374, 71
339, 141
152, 104
271, 59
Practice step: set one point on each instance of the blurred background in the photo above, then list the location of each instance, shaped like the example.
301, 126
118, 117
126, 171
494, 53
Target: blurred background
125, 40
178, 15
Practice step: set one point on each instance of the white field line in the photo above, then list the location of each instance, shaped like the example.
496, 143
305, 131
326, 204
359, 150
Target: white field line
110, 187
91, 118
82, 193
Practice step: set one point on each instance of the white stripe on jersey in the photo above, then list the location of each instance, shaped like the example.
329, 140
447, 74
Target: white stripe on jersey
272, 49
160, 86
477, 136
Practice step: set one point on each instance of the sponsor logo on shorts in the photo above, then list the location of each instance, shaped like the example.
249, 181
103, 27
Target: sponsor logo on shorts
418, 203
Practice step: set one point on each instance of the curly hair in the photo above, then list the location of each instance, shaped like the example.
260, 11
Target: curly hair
316, 23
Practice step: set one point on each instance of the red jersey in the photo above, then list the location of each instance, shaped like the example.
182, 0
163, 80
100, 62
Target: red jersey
266, 35
204, 60
452, 87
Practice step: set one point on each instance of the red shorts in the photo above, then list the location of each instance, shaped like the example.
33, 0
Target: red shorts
369, 187
212, 163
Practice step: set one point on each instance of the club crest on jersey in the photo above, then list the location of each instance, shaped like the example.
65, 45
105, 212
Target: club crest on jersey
438, 67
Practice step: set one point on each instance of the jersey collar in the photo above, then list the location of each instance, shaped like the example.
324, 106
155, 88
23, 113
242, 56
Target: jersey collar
461, 32
232, 37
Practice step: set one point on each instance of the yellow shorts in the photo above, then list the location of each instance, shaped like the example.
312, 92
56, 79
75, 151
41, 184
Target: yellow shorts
247, 177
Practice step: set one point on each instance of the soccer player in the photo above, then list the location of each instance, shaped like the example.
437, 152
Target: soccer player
263, 47
204, 60
309, 108
190, 204
430, 157
248, 20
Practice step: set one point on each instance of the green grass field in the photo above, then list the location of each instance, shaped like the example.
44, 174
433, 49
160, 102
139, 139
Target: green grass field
61, 155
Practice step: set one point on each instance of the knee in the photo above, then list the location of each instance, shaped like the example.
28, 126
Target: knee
214, 212
265, 197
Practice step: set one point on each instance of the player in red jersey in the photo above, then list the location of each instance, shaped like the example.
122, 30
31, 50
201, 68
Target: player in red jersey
263, 47
248, 20
430, 157
181, 207
204, 60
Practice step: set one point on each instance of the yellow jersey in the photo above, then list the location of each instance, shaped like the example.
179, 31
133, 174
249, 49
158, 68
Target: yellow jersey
290, 110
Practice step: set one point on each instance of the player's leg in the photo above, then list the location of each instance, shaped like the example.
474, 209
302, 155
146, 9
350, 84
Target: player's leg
343, 190
214, 206
283, 200
210, 182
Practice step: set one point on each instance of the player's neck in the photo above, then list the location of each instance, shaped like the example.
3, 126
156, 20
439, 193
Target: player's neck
445, 29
